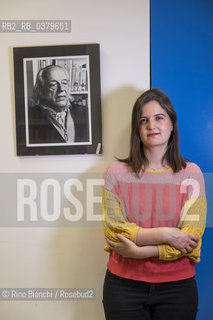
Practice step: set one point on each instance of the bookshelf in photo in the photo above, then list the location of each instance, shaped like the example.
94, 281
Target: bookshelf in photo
77, 68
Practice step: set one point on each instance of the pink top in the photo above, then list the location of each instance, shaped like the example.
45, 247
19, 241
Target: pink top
155, 199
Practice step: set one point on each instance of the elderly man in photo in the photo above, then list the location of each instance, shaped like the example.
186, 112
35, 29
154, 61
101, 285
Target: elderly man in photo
51, 119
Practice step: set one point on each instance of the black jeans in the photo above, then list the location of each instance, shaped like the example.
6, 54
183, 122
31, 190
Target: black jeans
125, 299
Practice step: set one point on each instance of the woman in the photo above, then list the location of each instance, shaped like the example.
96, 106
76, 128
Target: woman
154, 211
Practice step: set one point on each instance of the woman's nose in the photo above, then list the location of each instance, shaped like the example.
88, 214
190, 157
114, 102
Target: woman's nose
150, 124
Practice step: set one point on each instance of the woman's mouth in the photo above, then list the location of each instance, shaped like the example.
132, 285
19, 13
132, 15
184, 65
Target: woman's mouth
153, 134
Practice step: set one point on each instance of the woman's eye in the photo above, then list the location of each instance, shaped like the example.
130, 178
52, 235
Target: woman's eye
143, 120
159, 118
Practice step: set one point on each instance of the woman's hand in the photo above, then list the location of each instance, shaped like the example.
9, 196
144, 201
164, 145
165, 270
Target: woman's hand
183, 241
128, 249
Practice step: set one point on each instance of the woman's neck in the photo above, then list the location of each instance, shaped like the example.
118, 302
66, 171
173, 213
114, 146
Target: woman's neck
154, 157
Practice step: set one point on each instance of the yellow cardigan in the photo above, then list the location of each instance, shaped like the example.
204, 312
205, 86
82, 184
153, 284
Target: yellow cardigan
115, 221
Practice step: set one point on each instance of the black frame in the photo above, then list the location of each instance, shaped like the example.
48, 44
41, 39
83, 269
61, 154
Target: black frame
21, 54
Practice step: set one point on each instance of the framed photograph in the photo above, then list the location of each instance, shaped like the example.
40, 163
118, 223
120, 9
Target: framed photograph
58, 100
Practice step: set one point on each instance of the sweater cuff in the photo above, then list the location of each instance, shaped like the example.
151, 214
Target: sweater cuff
168, 255
111, 235
133, 234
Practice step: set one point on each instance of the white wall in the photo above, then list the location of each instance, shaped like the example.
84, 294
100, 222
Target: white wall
70, 257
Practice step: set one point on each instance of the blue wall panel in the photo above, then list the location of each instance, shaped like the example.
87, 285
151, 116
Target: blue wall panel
182, 66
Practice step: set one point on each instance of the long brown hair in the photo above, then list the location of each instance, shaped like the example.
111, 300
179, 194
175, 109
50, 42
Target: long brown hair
137, 159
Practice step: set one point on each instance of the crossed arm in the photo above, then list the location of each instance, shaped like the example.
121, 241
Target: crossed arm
129, 240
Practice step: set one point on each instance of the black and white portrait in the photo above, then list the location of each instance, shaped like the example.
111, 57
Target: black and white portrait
57, 101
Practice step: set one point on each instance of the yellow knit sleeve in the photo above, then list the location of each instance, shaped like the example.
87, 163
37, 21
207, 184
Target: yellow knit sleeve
115, 219
192, 221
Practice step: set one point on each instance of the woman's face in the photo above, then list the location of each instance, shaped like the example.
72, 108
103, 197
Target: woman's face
155, 125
